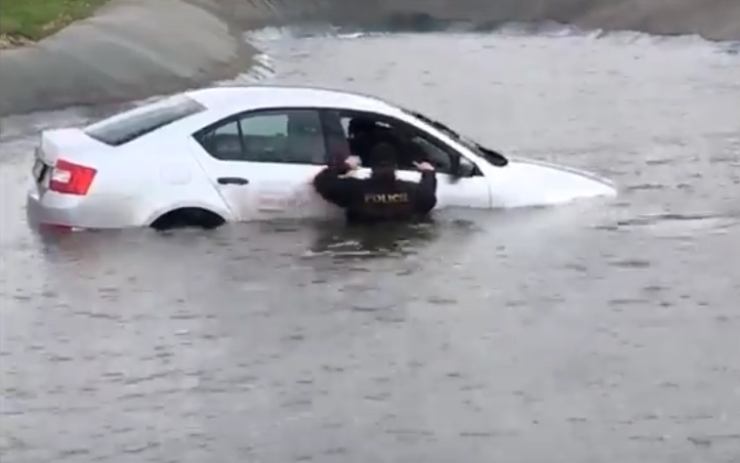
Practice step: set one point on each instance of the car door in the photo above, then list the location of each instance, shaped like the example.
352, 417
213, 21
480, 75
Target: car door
469, 188
263, 163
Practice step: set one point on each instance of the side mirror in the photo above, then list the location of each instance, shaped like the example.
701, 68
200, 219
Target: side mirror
462, 167
467, 168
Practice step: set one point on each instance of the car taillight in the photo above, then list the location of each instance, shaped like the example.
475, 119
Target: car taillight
70, 178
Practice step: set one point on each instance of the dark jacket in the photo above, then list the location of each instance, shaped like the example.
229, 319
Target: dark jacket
378, 198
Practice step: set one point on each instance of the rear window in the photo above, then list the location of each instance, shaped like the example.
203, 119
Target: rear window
130, 125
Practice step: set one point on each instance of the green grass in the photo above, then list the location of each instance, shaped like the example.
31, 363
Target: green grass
35, 19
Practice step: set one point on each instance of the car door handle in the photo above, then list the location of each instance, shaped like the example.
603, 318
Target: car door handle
232, 181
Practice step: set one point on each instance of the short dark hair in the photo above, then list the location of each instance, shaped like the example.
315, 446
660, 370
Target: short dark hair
361, 124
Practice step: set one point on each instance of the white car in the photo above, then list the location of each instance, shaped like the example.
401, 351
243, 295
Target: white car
230, 154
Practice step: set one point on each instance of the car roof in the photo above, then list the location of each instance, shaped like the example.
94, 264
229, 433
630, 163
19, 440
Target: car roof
240, 98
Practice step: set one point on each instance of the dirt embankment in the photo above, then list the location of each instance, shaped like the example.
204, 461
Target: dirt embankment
137, 48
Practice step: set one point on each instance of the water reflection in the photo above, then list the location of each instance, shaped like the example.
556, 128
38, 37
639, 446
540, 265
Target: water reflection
386, 240
232, 242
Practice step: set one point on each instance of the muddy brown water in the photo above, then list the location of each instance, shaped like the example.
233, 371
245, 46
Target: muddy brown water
600, 331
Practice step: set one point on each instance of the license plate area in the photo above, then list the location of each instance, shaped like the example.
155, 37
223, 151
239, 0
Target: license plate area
39, 170
40, 173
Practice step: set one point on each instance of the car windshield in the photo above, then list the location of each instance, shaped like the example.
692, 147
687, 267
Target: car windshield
492, 156
137, 122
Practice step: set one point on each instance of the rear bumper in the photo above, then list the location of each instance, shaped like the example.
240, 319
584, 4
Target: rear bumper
55, 209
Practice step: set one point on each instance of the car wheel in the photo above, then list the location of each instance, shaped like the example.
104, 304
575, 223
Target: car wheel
188, 217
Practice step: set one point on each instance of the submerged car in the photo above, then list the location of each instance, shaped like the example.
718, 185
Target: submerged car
229, 154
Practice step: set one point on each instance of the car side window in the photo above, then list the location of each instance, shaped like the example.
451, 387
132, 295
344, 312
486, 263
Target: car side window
224, 142
293, 136
438, 157
361, 129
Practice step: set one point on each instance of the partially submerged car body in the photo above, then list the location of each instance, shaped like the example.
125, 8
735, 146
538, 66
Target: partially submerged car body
250, 153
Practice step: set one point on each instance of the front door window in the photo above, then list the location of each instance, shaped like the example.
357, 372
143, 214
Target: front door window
461, 182
363, 130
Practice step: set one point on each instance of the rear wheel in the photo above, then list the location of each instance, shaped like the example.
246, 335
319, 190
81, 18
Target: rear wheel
188, 217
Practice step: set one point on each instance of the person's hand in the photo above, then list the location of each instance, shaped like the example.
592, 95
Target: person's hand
352, 162
424, 166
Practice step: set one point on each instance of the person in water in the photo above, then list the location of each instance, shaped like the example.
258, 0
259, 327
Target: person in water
382, 197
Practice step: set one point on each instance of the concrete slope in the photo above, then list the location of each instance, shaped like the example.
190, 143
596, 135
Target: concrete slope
138, 48
131, 49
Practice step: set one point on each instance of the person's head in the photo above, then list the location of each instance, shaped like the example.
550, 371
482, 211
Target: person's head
360, 135
384, 161
360, 126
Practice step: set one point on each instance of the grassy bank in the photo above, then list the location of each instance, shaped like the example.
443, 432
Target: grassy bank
31, 20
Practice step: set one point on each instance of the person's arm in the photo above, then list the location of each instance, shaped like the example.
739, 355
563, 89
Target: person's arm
333, 188
426, 197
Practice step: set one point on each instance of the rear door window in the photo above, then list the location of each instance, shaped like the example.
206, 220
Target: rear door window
292, 136
129, 126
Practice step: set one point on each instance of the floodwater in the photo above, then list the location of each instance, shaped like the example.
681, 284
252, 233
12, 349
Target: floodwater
602, 331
